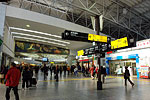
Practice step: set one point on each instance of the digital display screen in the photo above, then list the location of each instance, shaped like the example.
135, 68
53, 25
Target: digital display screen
45, 59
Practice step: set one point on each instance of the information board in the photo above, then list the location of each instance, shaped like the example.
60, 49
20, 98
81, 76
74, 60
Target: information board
119, 43
84, 37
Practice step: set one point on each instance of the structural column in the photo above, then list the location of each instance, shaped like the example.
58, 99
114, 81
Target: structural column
2, 23
99, 82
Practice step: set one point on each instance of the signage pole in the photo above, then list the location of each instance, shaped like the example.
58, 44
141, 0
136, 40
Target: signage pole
99, 82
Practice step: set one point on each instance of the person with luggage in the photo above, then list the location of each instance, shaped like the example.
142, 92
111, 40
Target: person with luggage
25, 78
127, 77
30, 76
12, 80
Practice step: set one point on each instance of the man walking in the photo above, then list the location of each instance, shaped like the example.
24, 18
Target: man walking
127, 77
12, 81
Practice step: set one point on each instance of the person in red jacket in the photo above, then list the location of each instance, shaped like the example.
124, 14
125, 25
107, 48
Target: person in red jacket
12, 81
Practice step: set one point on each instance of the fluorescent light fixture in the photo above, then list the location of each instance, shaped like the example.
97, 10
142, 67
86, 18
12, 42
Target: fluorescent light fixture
26, 30
35, 36
27, 25
38, 40
28, 58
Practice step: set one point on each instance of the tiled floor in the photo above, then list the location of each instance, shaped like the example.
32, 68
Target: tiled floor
74, 88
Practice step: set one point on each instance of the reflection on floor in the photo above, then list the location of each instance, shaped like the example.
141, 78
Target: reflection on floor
83, 88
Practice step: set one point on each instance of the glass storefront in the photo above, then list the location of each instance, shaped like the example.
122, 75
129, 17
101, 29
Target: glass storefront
117, 67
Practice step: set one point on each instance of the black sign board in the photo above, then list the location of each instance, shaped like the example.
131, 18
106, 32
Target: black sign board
84, 37
76, 36
100, 48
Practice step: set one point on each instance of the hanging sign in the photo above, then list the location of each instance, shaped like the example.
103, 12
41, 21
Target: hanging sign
119, 43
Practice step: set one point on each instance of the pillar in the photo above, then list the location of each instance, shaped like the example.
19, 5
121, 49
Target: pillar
2, 23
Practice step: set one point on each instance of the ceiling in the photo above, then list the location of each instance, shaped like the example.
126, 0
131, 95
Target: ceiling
122, 18
40, 33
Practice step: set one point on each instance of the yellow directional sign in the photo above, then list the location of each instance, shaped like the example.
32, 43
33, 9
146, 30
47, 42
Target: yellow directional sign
80, 53
119, 43
98, 38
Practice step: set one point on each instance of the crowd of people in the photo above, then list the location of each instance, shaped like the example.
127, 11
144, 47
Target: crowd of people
12, 75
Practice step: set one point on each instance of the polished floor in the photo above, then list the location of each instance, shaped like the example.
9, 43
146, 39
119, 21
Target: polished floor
82, 88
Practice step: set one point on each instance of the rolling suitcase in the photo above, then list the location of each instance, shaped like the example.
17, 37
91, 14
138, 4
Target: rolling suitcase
34, 81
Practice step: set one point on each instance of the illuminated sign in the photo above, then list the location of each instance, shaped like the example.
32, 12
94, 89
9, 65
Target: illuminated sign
97, 38
109, 52
143, 43
80, 53
119, 43
84, 37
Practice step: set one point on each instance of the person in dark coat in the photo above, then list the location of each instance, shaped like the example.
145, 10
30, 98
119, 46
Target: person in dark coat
60, 70
103, 73
56, 71
4, 71
25, 77
65, 69
51, 69
30, 76
127, 77
45, 70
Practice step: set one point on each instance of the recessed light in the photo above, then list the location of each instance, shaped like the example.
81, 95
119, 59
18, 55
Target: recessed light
27, 25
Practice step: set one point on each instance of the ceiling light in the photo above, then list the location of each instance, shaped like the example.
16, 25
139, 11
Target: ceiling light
38, 40
26, 30
27, 25
40, 37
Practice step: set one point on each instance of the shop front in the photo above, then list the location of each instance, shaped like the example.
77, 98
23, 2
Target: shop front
137, 59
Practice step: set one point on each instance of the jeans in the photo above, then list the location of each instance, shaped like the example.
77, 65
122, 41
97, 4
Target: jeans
15, 89
25, 81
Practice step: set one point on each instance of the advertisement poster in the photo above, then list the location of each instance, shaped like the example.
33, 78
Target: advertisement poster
39, 48
144, 71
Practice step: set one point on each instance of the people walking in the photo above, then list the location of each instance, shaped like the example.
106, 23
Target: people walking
56, 71
92, 72
76, 71
103, 73
127, 77
68, 69
25, 78
65, 69
30, 76
51, 69
45, 70
12, 81
60, 70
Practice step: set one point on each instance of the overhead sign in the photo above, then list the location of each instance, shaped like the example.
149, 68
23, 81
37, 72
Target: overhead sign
84, 37
119, 43
80, 53
143, 43
97, 38
101, 48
